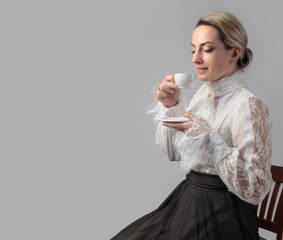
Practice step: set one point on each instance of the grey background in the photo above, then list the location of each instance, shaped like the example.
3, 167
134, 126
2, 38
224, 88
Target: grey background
78, 157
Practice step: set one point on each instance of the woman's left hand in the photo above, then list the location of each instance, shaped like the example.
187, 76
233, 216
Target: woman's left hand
182, 126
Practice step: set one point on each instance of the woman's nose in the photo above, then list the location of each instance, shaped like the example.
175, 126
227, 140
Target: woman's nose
197, 57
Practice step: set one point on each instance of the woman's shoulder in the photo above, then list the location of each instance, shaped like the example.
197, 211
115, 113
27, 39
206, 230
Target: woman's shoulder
245, 98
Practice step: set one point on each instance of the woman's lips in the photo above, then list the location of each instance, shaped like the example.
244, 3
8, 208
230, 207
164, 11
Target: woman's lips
201, 70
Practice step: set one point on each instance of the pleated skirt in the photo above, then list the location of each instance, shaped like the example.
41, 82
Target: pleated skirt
199, 208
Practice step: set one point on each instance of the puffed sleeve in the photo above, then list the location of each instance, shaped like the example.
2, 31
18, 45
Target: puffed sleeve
246, 170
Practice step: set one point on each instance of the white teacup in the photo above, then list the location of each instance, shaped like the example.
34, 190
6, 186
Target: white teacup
185, 80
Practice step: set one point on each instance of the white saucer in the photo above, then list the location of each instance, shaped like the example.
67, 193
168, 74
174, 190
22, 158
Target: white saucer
174, 119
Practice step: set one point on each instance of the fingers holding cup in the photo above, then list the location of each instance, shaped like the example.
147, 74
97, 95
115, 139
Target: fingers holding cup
168, 92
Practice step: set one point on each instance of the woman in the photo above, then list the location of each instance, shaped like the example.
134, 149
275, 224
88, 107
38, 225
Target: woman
225, 147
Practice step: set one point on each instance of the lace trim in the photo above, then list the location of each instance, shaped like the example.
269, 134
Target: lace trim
227, 84
194, 139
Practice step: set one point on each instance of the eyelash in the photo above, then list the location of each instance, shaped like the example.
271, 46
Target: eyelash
207, 51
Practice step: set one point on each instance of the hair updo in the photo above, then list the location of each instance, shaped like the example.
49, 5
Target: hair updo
232, 34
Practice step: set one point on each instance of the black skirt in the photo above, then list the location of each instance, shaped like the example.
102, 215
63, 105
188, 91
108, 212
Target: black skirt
199, 208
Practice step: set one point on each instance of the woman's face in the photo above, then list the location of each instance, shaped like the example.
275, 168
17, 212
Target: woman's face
210, 57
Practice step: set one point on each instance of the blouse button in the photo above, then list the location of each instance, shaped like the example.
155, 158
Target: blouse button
208, 96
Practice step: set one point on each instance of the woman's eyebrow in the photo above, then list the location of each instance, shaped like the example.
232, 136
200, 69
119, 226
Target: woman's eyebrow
202, 44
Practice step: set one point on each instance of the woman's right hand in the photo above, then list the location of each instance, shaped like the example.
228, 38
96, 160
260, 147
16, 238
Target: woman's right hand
168, 92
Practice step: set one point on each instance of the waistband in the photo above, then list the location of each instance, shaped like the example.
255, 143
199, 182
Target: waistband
203, 181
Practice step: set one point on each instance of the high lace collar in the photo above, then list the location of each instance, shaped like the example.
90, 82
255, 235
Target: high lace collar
227, 84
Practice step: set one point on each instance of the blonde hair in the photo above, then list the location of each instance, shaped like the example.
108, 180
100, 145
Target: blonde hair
231, 33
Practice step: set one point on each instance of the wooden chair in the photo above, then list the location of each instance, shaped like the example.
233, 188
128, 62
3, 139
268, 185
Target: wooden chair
270, 211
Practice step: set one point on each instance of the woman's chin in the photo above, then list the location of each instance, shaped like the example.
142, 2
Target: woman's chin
203, 78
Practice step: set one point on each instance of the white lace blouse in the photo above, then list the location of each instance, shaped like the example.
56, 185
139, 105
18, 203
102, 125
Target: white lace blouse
230, 137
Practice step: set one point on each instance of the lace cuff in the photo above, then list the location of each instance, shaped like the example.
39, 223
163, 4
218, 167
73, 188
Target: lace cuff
200, 145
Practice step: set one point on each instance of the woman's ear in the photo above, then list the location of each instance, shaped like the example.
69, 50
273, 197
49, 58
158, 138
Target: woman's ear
235, 54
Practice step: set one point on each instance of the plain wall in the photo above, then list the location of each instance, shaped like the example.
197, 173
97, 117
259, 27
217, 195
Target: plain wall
78, 156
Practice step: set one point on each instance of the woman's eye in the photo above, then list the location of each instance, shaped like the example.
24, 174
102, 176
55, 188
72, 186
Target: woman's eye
205, 50
208, 50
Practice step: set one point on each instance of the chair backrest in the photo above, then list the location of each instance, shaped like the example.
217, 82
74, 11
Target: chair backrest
270, 211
